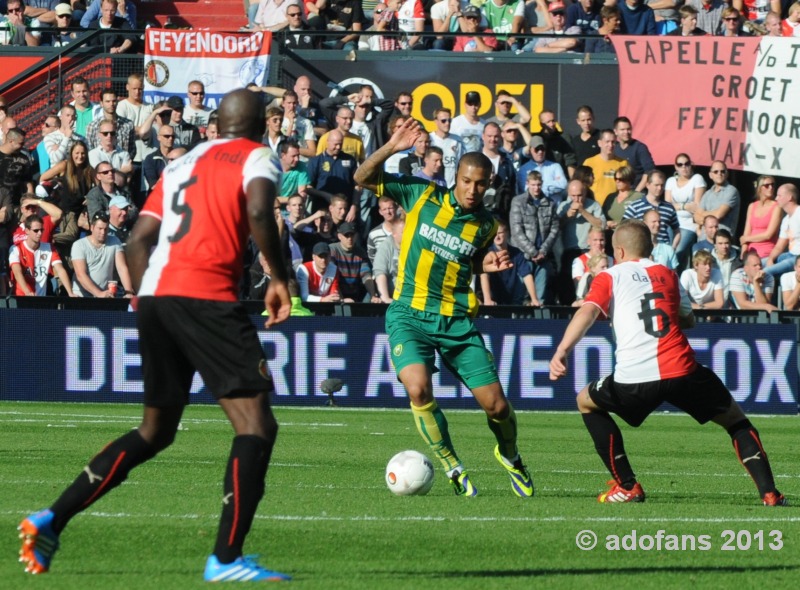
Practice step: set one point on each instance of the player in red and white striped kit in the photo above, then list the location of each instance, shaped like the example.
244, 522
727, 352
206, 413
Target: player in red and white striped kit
654, 363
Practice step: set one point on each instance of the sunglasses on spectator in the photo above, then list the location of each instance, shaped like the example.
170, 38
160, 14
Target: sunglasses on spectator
109, 171
768, 184
539, 148
37, 230
557, 13
683, 164
619, 179
719, 171
31, 207
100, 216
444, 120
731, 18
197, 93
107, 133
14, 10
404, 104
168, 136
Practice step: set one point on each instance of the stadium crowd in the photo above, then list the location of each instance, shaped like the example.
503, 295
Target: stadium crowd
67, 206
558, 26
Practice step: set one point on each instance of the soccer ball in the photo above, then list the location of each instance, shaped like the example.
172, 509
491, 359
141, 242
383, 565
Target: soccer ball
409, 473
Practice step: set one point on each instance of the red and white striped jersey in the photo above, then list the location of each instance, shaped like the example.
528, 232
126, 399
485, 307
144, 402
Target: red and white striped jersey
37, 266
643, 300
201, 203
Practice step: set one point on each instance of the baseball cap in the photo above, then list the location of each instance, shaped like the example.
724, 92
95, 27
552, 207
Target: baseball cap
175, 102
63, 9
321, 248
120, 201
556, 6
346, 228
471, 10
536, 141
472, 98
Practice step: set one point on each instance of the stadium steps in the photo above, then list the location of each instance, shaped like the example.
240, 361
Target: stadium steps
225, 15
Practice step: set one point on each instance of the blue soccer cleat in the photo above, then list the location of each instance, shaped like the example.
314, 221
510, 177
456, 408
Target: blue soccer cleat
462, 486
39, 542
244, 569
521, 480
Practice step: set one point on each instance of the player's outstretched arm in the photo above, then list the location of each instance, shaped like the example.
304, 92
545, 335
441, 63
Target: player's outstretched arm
402, 139
137, 251
577, 328
261, 196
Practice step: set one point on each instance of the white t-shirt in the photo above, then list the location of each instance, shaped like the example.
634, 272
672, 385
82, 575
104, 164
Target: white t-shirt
692, 286
471, 133
681, 196
452, 149
790, 230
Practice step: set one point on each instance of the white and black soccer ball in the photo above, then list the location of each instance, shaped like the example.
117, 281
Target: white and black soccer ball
409, 473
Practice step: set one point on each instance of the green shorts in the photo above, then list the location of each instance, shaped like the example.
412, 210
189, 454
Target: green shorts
415, 336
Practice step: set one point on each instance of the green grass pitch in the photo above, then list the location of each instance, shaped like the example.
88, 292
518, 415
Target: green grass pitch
329, 520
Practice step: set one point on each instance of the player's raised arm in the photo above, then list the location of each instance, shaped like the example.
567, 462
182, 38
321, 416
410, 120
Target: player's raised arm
402, 139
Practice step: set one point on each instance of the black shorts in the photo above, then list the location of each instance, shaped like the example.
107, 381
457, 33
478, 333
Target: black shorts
178, 336
700, 394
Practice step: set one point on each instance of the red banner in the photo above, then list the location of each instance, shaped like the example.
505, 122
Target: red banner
716, 98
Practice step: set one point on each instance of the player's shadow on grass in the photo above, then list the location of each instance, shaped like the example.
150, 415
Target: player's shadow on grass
610, 570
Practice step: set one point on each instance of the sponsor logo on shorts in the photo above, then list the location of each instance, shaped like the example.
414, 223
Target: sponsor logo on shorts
263, 369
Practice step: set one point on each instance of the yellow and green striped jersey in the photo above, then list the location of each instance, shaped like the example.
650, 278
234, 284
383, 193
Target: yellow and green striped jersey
439, 242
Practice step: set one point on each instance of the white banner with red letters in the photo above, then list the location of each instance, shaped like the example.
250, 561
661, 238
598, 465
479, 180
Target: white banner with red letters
221, 61
733, 99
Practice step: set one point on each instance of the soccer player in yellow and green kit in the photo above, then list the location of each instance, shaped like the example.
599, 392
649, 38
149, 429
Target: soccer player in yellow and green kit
446, 238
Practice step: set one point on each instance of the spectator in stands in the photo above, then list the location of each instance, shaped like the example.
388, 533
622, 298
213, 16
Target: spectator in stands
60, 36
48, 212
95, 258
15, 26
726, 259
721, 200
751, 287
684, 190
384, 20
781, 258
16, 171
790, 287
341, 15
355, 273
388, 210
514, 286
75, 176
134, 109
119, 221
708, 231
98, 198
654, 199
663, 253
473, 38
212, 131
369, 122
503, 105
119, 41
503, 179
515, 142
537, 19
450, 144
125, 9
554, 181
411, 21
108, 149
33, 262
186, 134
577, 215
273, 136
584, 144
581, 266
385, 263
432, 167
403, 104
703, 282
332, 171
790, 26
42, 10
637, 18
565, 39
600, 41
634, 151
534, 228
557, 148
296, 34
772, 23
59, 141
85, 110
732, 23
584, 14
307, 105
444, 18
688, 27
156, 161
298, 127
40, 156
318, 280
338, 210
416, 159
605, 165
295, 173
709, 14
596, 264
351, 143
271, 14
126, 130
506, 18
616, 203
763, 220
196, 113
